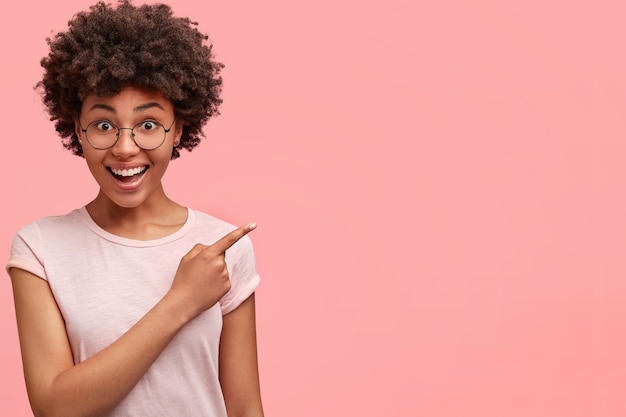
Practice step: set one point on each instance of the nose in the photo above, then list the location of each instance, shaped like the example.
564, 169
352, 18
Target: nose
125, 145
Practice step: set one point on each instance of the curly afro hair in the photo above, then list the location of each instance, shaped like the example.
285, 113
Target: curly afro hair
108, 48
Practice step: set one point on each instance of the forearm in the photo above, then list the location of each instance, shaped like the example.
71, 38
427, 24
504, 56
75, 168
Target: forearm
97, 385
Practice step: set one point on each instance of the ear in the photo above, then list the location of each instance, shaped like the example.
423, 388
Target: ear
78, 130
178, 133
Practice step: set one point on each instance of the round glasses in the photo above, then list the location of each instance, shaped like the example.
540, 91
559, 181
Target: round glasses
148, 135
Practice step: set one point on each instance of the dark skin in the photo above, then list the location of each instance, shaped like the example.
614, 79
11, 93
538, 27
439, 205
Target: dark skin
57, 387
137, 209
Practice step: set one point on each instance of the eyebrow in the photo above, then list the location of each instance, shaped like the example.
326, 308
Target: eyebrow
142, 107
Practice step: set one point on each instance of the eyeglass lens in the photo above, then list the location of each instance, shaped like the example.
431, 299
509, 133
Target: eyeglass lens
104, 134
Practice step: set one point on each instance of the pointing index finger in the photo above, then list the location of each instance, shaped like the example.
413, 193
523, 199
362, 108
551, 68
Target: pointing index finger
231, 238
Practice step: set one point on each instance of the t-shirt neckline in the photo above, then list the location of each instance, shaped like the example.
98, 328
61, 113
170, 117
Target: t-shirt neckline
93, 226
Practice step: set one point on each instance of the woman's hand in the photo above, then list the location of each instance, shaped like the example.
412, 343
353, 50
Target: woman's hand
202, 276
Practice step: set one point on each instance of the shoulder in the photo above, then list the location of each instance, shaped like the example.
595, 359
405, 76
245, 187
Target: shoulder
212, 228
50, 225
33, 243
207, 221
208, 229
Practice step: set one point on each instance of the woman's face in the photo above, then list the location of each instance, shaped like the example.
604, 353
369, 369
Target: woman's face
127, 174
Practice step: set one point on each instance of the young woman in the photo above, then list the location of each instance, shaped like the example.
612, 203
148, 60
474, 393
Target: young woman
134, 305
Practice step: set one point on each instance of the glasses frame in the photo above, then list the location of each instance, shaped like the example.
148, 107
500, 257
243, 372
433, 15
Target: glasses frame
132, 133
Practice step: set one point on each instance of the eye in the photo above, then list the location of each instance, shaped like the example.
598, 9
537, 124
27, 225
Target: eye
148, 126
104, 126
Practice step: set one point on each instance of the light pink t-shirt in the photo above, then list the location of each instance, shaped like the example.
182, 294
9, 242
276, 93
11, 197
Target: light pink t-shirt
103, 284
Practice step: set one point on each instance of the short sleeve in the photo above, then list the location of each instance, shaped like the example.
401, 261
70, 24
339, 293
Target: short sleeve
244, 277
24, 252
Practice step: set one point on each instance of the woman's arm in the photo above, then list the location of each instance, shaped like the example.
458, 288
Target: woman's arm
239, 371
57, 387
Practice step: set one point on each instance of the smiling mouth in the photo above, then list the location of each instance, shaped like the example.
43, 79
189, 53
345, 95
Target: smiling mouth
128, 175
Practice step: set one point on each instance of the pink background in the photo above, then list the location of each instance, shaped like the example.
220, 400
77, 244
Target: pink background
439, 188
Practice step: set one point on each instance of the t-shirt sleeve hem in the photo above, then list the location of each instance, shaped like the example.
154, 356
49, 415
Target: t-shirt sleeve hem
27, 265
234, 300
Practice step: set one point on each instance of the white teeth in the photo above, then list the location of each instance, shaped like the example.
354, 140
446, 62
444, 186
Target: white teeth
128, 172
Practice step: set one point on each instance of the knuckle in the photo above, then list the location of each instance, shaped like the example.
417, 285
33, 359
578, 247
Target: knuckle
197, 247
219, 263
208, 253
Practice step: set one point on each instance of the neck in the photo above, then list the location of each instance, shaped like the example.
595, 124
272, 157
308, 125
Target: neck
158, 217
